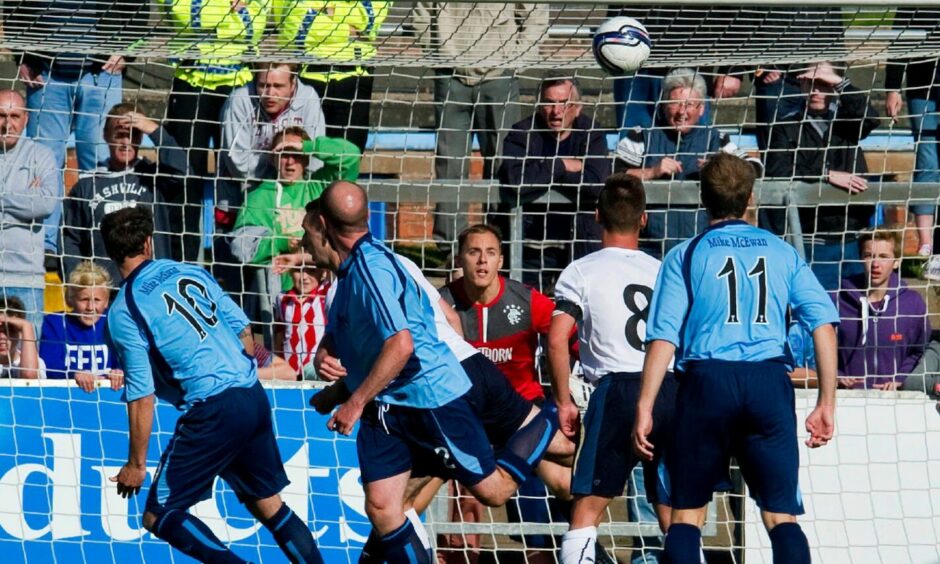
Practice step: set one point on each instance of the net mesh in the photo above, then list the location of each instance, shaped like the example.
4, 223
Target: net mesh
426, 94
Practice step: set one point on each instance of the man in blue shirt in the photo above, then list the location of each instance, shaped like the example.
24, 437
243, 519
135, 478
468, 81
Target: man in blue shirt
720, 307
405, 383
180, 338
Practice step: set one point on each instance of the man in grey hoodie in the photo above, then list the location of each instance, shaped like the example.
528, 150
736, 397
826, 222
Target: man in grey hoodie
29, 184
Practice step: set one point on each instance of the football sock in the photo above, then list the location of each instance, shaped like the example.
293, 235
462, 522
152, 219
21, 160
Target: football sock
192, 537
682, 544
293, 536
525, 449
789, 544
578, 546
403, 546
412, 516
372, 549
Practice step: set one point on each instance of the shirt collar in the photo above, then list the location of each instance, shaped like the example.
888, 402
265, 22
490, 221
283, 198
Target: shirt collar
347, 264
130, 277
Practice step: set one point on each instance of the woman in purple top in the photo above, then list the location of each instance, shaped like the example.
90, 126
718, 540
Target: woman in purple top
884, 326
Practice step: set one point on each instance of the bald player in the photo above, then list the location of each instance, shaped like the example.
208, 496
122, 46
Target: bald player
405, 384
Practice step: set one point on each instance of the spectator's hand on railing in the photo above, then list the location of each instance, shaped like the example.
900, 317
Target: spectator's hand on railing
117, 379
893, 105
726, 86
849, 382
114, 65
30, 76
85, 381
849, 182
888, 386
666, 167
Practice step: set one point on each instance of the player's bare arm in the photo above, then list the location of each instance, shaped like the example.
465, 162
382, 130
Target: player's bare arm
559, 359
395, 353
821, 422
248, 340
658, 355
140, 421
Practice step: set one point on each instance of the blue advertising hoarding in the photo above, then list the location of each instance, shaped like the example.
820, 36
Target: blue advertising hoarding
59, 446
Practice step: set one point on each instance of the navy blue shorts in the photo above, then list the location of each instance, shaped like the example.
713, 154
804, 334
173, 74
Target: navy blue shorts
605, 456
741, 409
392, 437
499, 407
228, 435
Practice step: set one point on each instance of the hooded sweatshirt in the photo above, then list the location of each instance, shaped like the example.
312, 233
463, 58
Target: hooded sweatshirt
881, 341
247, 130
103, 191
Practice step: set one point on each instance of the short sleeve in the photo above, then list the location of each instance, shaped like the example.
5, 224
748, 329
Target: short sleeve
542, 308
569, 292
810, 303
670, 301
133, 353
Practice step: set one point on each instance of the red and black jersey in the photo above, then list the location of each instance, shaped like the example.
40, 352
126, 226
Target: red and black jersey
506, 330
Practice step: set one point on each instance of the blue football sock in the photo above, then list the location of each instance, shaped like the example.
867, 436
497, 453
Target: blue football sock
192, 537
525, 449
293, 536
683, 543
403, 546
789, 544
372, 550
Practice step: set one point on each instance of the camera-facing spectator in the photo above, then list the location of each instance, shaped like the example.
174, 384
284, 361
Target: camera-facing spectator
823, 146
19, 354
273, 101
125, 179
675, 150
300, 318
561, 149
29, 190
74, 344
884, 327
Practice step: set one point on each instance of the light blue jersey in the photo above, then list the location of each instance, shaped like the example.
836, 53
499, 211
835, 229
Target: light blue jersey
724, 295
375, 299
176, 334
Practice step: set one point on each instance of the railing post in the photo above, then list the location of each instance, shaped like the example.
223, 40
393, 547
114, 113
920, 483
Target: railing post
515, 243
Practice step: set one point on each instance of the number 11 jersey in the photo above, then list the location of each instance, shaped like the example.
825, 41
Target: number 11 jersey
176, 334
724, 295
608, 292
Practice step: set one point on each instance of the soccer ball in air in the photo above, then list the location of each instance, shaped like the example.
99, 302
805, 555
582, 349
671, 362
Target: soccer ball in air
621, 45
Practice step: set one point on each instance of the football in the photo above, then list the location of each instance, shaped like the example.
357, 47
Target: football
621, 45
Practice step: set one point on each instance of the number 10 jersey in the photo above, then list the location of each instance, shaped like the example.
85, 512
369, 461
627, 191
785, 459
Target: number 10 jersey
608, 292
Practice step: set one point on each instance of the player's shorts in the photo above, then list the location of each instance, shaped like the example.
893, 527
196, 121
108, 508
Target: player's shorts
392, 437
605, 456
498, 406
741, 409
228, 435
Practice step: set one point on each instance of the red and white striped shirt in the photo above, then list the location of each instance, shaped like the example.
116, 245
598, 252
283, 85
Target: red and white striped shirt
304, 321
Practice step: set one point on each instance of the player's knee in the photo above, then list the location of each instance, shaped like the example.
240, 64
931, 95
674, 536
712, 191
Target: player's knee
771, 519
381, 509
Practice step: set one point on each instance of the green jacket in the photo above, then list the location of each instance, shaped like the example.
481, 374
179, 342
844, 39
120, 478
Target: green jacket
273, 212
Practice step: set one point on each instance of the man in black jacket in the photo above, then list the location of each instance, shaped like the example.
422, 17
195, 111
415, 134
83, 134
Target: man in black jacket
124, 180
559, 149
823, 146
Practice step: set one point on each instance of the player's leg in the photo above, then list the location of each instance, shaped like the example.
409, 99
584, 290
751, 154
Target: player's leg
257, 476
600, 469
205, 442
770, 461
696, 457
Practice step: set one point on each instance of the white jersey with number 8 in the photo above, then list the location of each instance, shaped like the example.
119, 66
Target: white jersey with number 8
609, 293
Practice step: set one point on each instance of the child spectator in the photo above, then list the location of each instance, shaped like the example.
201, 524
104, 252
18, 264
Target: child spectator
18, 355
884, 327
300, 318
74, 344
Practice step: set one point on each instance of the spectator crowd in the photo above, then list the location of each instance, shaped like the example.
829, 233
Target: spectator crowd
264, 139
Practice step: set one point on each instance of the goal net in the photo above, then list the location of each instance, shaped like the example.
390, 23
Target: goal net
423, 104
